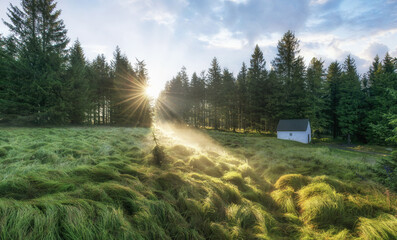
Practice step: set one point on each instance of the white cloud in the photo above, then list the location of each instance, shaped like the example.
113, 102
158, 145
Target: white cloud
376, 49
238, 1
271, 40
160, 17
224, 39
318, 2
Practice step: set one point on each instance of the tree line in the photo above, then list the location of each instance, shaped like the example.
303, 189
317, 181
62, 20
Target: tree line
42, 81
337, 100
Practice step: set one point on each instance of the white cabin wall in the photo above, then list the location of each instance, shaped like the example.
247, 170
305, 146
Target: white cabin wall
309, 131
299, 136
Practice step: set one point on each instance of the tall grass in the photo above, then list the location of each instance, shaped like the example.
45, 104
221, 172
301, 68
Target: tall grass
102, 183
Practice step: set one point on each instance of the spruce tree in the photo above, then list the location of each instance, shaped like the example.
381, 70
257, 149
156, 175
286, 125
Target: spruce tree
214, 78
142, 110
290, 70
124, 99
381, 101
40, 39
242, 96
229, 103
8, 83
333, 88
100, 90
185, 94
316, 92
76, 86
197, 91
350, 99
256, 78
171, 102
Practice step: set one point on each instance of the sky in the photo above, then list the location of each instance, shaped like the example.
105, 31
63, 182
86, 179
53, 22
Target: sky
170, 34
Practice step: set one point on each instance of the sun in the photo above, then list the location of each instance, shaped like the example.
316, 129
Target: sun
153, 91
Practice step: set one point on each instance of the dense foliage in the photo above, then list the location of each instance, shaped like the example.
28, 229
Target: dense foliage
43, 82
337, 101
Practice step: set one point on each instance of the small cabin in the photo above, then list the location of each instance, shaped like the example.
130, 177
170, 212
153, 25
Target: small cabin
294, 129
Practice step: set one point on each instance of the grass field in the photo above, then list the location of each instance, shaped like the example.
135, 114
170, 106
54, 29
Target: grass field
102, 183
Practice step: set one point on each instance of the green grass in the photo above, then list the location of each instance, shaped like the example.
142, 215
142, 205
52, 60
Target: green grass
103, 183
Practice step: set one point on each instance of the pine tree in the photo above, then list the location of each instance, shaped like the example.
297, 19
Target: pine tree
374, 69
76, 86
316, 92
350, 98
8, 83
124, 99
229, 103
172, 100
185, 94
333, 88
290, 70
100, 90
197, 91
274, 99
142, 112
214, 78
242, 96
380, 100
40, 40
287, 50
256, 78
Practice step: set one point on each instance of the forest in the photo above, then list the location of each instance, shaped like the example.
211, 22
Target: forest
336, 99
86, 153
43, 81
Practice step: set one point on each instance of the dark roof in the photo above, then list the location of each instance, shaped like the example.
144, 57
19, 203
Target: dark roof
292, 125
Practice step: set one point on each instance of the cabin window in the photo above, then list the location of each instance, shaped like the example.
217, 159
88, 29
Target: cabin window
290, 134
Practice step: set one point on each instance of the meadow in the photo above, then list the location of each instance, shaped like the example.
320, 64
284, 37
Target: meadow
103, 183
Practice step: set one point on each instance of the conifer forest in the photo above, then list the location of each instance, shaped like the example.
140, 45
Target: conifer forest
96, 143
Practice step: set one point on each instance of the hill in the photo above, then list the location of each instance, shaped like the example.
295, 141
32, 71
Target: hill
102, 183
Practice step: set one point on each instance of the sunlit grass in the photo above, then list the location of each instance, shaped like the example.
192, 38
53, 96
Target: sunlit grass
95, 183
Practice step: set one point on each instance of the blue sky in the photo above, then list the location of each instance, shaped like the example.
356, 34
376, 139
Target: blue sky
169, 34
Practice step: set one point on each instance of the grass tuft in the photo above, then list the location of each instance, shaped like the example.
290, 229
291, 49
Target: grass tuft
382, 227
295, 181
235, 178
321, 205
284, 199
